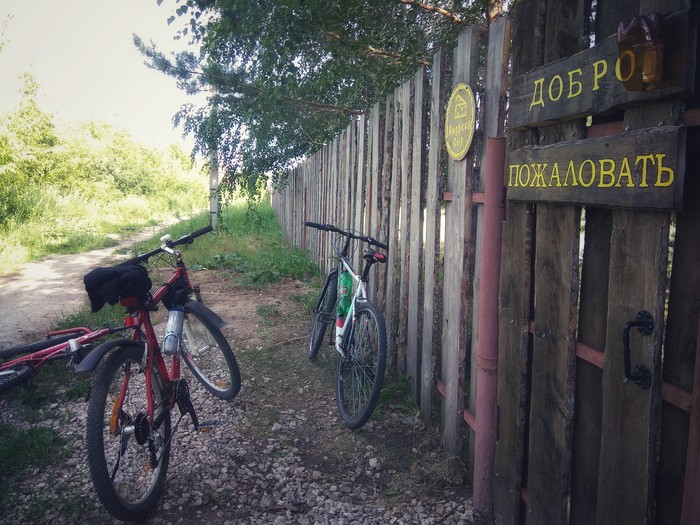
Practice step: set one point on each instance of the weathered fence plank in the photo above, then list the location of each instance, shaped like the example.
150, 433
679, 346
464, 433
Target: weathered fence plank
360, 180
555, 305
515, 303
458, 234
592, 328
513, 356
415, 239
626, 450
374, 204
552, 386
431, 245
393, 239
678, 457
386, 134
405, 232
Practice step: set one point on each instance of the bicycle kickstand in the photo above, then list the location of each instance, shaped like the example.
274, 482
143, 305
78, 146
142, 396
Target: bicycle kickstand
184, 403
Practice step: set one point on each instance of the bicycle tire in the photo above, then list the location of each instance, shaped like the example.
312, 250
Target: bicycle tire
324, 310
36, 346
209, 357
360, 374
119, 435
15, 376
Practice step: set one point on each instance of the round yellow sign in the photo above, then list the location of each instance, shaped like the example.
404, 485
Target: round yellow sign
459, 121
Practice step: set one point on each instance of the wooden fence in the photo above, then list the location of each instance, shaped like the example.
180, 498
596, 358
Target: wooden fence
387, 176
549, 431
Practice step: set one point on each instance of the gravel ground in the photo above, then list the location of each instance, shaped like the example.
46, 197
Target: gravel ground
279, 455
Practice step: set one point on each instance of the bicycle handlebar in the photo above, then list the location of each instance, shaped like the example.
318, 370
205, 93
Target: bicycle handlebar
185, 239
335, 229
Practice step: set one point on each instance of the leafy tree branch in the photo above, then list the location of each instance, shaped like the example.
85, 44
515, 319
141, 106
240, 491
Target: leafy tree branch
435, 9
285, 76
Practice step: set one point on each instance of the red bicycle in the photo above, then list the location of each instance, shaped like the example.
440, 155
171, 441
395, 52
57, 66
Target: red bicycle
22, 361
129, 428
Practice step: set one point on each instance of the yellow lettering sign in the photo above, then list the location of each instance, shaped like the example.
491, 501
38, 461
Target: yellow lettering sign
601, 173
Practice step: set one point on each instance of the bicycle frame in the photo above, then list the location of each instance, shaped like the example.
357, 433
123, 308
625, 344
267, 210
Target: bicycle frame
60, 350
140, 320
360, 294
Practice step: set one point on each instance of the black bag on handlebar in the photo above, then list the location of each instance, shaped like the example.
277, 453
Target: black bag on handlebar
107, 285
178, 294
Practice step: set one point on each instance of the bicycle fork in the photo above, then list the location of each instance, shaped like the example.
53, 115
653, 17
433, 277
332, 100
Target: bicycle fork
344, 332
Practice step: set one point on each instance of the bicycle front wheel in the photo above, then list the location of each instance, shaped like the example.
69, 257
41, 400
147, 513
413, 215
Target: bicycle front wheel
14, 376
360, 373
209, 357
127, 453
324, 313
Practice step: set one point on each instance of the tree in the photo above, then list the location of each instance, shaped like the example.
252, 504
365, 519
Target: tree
28, 144
34, 133
284, 76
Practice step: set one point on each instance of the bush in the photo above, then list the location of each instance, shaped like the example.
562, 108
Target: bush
67, 194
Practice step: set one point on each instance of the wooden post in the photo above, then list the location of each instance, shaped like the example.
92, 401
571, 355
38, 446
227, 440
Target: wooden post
458, 236
431, 246
214, 188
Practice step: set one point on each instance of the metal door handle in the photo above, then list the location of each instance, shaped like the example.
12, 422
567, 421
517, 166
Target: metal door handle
642, 375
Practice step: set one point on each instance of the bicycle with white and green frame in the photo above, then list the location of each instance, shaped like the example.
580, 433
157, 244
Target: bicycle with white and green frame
360, 331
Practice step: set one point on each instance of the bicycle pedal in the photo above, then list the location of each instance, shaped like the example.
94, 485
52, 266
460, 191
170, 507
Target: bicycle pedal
206, 426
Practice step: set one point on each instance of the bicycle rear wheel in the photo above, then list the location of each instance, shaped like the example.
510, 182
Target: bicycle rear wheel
209, 357
323, 314
127, 454
14, 376
360, 374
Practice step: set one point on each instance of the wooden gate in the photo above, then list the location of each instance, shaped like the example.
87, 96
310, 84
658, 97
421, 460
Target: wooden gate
601, 238
588, 251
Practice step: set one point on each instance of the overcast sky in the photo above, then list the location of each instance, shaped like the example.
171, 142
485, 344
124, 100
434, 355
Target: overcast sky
82, 55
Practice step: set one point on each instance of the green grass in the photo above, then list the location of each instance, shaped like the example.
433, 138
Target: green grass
22, 448
108, 316
54, 382
249, 244
308, 300
72, 223
255, 249
395, 394
270, 313
37, 505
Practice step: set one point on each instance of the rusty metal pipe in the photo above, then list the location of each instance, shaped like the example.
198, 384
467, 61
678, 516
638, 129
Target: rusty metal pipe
487, 346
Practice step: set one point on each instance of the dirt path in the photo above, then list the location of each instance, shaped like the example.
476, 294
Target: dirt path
40, 292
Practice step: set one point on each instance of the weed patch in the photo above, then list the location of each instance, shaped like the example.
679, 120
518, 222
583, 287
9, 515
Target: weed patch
270, 313
35, 446
307, 301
